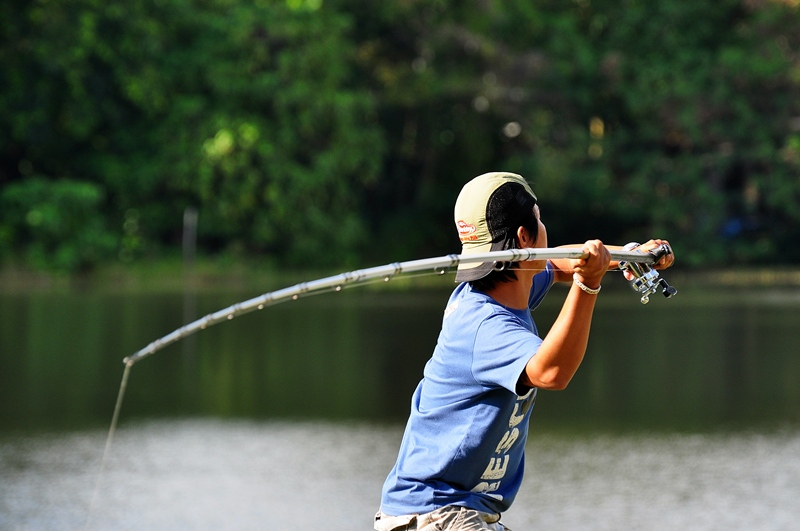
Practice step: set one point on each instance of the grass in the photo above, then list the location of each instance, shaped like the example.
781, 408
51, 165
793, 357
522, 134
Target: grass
171, 275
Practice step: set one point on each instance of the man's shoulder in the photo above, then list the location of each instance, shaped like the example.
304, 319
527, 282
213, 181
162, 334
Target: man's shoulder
466, 301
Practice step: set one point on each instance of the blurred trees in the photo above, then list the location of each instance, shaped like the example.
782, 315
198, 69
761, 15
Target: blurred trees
296, 126
248, 111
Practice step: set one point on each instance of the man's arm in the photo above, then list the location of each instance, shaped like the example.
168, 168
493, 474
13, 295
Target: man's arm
563, 348
563, 267
561, 352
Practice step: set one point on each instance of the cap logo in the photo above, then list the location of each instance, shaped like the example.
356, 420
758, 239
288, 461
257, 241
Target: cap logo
466, 231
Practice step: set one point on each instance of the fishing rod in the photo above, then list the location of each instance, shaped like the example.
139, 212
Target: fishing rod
637, 265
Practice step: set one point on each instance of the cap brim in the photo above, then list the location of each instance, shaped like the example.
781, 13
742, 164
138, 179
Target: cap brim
476, 271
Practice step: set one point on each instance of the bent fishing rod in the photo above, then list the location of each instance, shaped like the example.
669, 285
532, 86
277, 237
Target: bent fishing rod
636, 264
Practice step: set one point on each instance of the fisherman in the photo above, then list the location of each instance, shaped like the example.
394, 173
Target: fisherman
462, 456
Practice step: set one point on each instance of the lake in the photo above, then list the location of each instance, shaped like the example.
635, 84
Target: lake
685, 413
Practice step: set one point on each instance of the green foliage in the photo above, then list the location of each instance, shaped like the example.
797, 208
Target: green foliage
249, 112
281, 170
706, 105
55, 222
299, 125
633, 119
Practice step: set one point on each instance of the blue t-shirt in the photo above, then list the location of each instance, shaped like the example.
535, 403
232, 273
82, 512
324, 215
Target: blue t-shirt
464, 443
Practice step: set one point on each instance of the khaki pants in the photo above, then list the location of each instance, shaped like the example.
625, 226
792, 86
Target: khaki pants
450, 518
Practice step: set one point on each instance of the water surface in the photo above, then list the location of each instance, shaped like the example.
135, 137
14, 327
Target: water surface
221, 474
684, 414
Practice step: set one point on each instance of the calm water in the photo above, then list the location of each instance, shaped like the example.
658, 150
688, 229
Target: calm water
268, 475
685, 414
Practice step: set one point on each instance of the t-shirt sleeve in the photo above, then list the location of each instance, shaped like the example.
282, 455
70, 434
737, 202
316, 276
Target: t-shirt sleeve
503, 347
542, 282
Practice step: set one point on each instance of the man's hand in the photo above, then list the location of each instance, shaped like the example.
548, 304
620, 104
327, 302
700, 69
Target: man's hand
666, 261
590, 270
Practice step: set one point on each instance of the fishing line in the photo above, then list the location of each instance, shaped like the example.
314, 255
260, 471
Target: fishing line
112, 429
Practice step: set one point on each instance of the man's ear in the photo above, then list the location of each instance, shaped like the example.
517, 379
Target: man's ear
523, 238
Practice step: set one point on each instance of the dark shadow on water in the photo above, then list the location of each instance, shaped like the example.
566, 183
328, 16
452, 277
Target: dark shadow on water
704, 360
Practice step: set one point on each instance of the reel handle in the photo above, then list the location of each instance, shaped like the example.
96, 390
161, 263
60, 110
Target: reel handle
668, 291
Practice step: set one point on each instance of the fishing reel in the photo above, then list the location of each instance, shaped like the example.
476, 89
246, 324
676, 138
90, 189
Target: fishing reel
644, 278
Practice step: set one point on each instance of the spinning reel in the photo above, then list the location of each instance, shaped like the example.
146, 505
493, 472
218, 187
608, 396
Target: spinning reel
644, 278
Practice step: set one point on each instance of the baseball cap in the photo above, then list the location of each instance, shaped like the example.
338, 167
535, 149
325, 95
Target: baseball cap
488, 212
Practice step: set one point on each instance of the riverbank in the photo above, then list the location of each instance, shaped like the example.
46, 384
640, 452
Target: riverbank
171, 275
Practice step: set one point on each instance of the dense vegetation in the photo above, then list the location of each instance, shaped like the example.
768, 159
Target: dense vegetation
295, 127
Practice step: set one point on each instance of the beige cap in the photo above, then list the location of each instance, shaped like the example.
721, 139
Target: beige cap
488, 212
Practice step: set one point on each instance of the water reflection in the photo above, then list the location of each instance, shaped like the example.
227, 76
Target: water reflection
699, 361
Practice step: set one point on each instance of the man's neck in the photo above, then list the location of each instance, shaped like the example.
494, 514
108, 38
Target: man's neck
513, 294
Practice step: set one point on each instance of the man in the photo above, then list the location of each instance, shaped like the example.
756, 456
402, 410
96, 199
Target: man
461, 460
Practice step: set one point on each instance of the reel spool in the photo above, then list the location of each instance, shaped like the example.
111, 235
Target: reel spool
645, 279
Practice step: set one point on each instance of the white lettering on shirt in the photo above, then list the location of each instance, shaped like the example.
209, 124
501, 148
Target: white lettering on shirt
487, 488
497, 467
507, 441
450, 309
518, 416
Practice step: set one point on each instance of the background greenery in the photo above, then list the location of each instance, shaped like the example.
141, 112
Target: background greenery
348, 126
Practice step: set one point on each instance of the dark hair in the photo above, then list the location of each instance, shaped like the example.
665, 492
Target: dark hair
506, 274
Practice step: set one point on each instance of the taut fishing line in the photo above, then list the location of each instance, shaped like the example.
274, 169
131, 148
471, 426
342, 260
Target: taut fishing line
636, 264
107, 450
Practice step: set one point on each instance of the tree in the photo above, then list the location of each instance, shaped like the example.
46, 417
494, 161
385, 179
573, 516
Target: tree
248, 111
300, 125
631, 118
